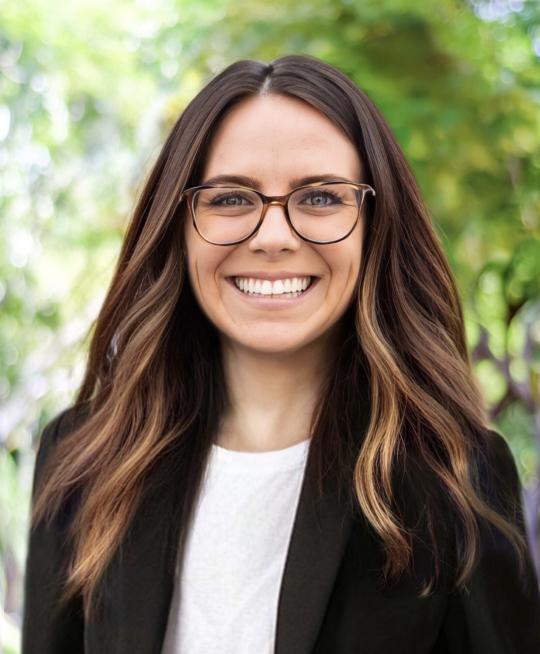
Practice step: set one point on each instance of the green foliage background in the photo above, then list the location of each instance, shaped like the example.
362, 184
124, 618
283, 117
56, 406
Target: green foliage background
87, 93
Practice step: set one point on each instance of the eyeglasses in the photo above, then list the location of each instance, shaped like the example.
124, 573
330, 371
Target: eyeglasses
321, 212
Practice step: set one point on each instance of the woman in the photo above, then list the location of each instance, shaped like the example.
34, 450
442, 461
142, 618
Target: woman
279, 444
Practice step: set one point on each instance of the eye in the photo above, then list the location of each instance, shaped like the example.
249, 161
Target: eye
321, 198
231, 199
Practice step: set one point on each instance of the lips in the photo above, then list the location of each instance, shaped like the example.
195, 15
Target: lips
274, 301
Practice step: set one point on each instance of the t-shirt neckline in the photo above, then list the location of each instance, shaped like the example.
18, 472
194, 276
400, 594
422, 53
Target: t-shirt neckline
287, 457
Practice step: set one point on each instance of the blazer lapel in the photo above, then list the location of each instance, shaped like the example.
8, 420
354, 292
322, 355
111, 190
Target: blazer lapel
138, 585
320, 533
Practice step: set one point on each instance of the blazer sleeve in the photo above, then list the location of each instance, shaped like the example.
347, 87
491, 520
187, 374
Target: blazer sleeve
497, 611
45, 628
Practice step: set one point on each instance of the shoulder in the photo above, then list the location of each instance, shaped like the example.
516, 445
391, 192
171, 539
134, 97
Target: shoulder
499, 454
498, 609
501, 487
62, 423
497, 474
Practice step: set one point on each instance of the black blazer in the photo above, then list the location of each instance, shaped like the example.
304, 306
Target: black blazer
330, 602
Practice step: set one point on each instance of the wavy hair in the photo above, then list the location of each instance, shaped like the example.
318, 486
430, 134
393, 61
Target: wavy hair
399, 401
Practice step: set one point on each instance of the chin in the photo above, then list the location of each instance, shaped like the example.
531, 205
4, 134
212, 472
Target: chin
271, 342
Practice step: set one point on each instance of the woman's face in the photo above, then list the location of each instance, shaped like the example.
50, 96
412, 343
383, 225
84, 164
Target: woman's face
276, 139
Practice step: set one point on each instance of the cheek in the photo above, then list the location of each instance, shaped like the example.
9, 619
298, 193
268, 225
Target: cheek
202, 270
344, 269
203, 262
343, 261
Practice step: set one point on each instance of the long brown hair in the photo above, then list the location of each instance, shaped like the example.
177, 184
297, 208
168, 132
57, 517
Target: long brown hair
400, 403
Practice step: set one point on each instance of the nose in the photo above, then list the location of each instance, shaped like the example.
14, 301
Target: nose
274, 232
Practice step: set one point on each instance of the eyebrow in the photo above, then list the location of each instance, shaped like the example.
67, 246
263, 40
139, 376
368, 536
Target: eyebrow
245, 180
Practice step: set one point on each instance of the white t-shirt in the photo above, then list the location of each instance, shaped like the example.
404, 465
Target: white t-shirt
227, 586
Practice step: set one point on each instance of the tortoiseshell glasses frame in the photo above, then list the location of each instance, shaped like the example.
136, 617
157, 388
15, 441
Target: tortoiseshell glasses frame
282, 200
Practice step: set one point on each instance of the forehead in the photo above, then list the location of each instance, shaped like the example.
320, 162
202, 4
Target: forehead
275, 138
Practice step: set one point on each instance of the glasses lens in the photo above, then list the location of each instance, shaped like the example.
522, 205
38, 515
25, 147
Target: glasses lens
327, 212
226, 214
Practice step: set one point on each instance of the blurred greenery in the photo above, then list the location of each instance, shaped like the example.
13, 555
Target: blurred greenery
87, 93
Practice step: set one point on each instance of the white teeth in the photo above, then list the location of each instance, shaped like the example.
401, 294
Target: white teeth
278, 287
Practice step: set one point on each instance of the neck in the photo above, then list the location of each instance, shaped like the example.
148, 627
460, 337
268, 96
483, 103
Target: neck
273, 395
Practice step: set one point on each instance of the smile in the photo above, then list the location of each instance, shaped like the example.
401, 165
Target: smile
287, 286
280, 293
